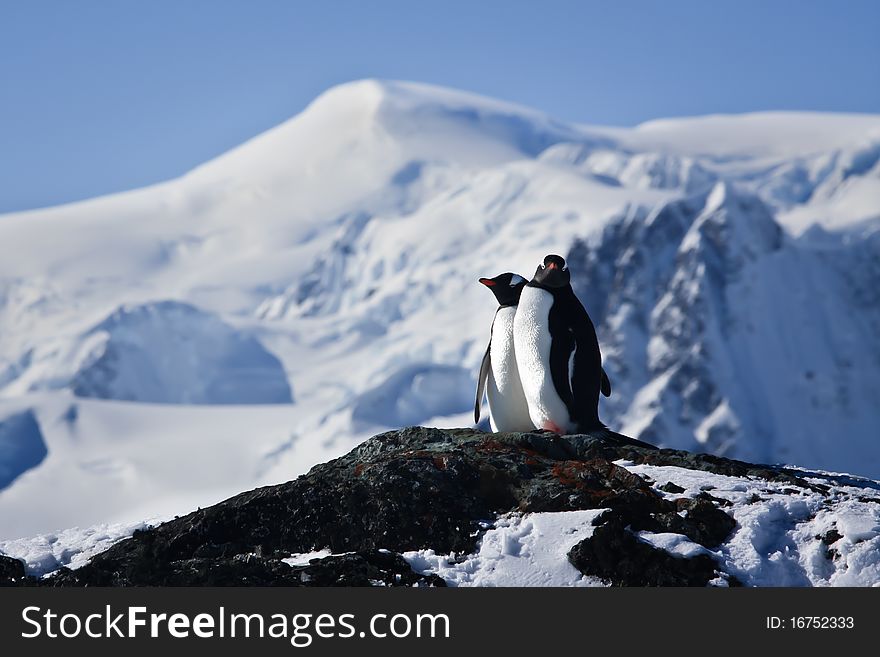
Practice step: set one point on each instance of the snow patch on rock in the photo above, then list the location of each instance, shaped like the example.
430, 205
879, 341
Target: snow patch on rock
519, 550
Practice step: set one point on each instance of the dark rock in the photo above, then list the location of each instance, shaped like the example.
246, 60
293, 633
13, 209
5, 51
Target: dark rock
11, 571
367, 568
720, 501
722, 466
831, 536
614, 554
703, 523
420, 488
670, 487
374, 568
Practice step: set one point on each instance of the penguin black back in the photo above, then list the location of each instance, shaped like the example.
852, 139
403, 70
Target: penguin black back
579, 379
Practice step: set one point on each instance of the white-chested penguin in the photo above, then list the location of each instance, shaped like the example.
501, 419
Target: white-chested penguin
557, 353
499, 377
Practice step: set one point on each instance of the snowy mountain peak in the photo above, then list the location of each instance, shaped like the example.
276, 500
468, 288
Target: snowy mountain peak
736, 225
363, 96
717, 197
386, 99
756, 134
377, 123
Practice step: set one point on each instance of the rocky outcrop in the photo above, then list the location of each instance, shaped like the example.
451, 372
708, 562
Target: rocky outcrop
11, 571
419, 488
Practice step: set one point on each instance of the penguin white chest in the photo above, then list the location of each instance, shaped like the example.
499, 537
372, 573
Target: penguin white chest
532, 342
508, 410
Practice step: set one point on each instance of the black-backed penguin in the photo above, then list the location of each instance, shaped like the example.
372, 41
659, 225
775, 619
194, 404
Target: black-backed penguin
499, 377
557, 353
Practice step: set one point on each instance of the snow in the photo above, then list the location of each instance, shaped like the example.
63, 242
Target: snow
73, 548
675, 544
414, 394
338, 254
755, 134
166, 352
519, 550
779, 536
726, 335
121, 462
860, 523
303, 558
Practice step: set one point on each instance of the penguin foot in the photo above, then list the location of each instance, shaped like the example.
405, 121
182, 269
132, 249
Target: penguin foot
620, 439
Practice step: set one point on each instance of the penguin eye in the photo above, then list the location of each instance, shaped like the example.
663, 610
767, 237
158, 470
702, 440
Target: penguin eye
543, 266
565, 268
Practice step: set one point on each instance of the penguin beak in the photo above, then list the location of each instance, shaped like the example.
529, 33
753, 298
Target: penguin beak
552, 265
488, 282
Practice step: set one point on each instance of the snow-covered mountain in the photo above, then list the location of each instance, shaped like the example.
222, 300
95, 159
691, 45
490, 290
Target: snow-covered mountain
728, 335
731, 264
166, 352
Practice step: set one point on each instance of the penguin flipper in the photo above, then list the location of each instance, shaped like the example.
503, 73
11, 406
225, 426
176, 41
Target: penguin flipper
606, 384
585, 384
481, 382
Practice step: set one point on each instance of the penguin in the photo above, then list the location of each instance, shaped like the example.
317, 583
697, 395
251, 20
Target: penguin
557, 353
499, 377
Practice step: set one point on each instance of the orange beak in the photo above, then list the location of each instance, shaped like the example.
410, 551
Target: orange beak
552, 265
488, 282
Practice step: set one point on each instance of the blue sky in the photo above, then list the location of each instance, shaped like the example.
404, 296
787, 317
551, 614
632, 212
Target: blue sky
105, 95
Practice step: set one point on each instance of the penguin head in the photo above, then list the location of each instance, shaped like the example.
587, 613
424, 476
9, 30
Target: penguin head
553, 272
506, 287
